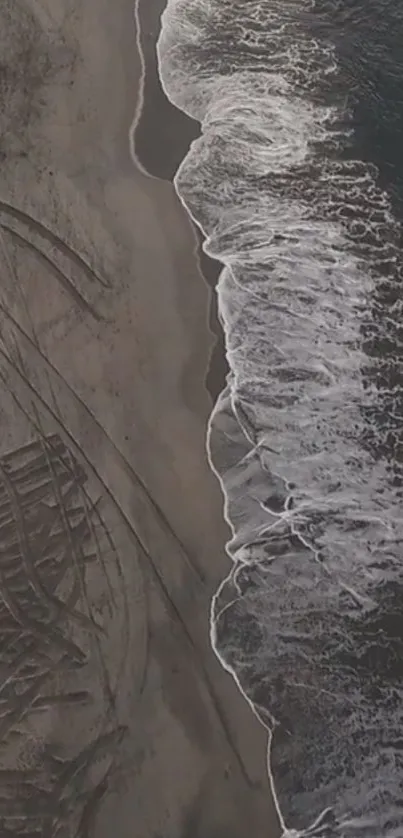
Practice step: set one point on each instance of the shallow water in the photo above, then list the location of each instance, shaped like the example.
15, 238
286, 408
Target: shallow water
296, 185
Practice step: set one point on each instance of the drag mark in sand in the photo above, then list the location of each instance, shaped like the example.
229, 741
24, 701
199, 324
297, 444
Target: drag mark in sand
50, 266
41, 234
45, 550
35, 226
60, 275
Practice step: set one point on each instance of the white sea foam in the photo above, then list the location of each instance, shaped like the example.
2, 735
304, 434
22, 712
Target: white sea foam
297, 439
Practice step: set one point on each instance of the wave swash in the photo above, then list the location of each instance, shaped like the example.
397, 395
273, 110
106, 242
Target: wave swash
305, 437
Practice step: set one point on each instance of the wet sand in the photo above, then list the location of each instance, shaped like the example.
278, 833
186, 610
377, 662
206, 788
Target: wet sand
116, 716
161, 140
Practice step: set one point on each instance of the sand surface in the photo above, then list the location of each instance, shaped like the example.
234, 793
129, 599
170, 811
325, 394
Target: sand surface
116, 717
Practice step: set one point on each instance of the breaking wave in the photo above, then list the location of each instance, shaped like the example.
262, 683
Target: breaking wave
305, 439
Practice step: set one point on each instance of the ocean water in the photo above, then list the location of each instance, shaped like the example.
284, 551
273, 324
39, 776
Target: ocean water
297, 184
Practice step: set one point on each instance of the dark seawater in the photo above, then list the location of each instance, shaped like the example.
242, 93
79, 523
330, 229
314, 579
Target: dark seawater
297, 184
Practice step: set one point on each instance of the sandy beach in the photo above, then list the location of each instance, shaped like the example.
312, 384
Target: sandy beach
117, 718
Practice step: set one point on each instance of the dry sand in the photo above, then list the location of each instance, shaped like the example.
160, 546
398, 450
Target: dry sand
116, 717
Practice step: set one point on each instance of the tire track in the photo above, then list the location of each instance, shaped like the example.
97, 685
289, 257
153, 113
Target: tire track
59, 275
55, 240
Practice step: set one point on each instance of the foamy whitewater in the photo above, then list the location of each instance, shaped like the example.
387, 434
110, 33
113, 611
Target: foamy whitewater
304, 438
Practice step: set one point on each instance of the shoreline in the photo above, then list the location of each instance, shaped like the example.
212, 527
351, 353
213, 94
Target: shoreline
156, 162
172, 132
